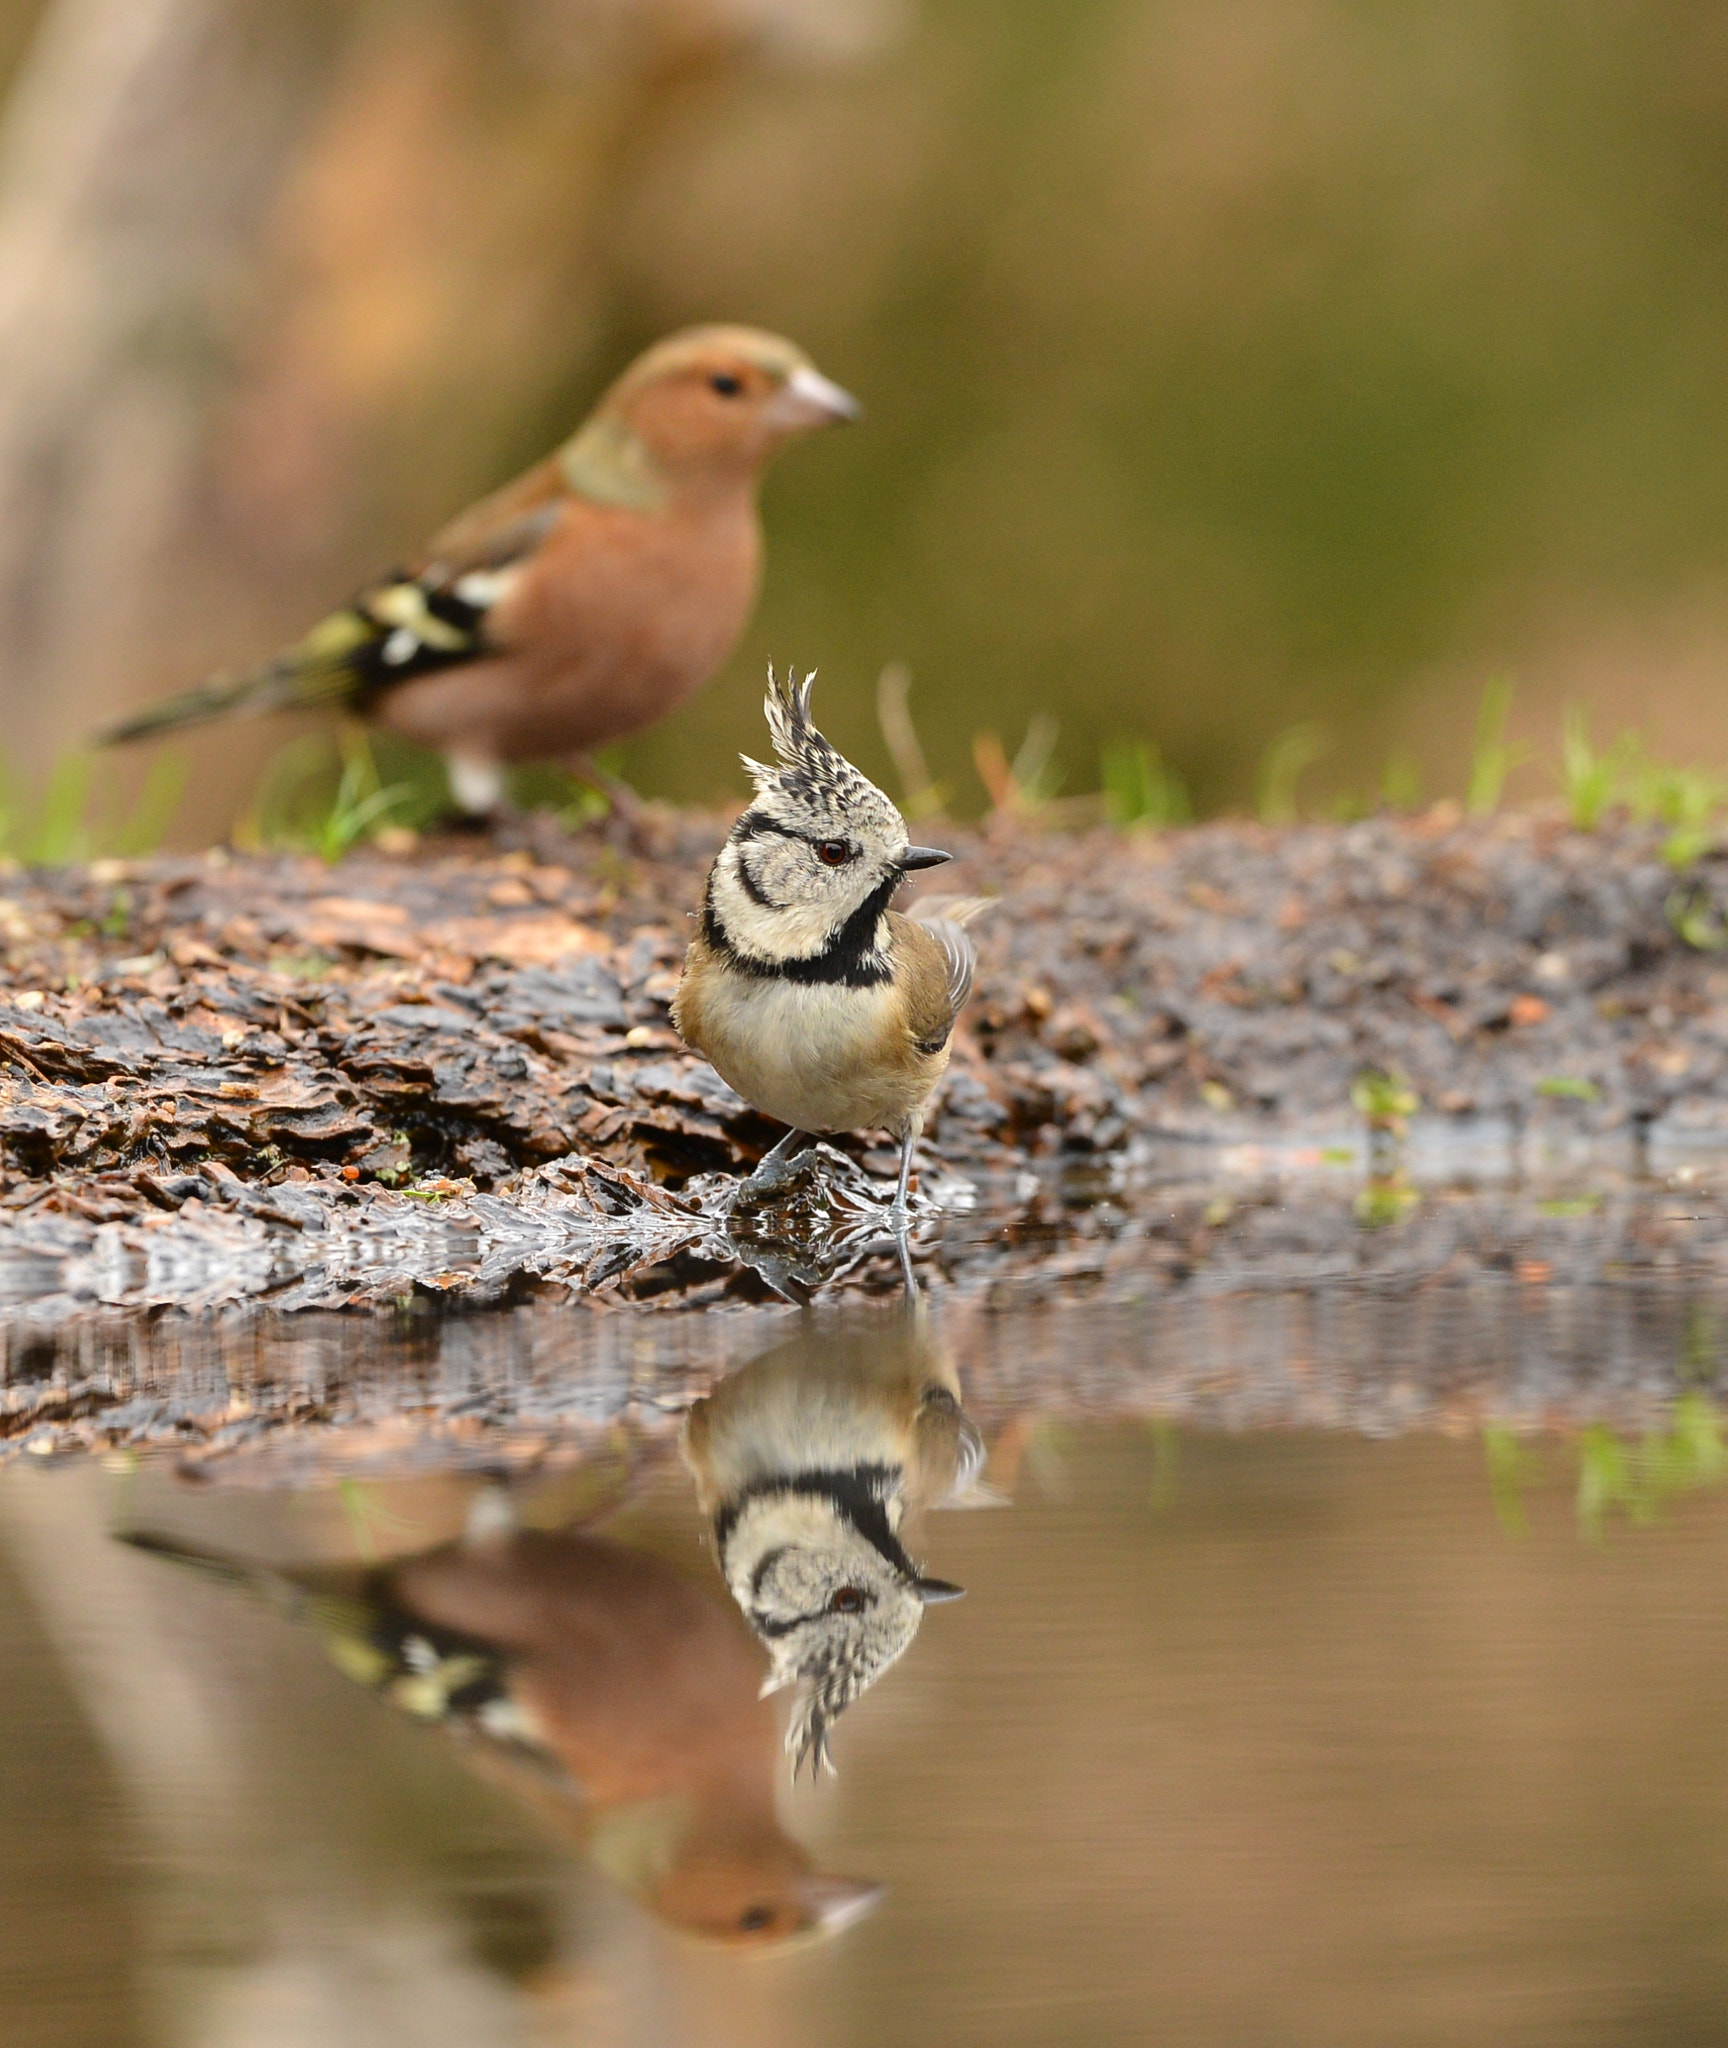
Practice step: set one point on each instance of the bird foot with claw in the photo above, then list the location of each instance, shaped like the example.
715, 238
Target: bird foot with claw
773, 1177
778, 1173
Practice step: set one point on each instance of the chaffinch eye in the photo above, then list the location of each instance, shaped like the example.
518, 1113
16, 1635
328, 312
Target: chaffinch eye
849, 1600
834, 853
726, 384
754, 1918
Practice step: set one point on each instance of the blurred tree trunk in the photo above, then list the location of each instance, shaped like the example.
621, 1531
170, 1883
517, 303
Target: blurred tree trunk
280, 287
144, 140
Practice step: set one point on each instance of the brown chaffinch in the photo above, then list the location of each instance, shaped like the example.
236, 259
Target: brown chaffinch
580, 602
600, 1686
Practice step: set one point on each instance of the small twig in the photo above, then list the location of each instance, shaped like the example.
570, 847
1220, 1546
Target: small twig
922, 797
994, 771
1020, 788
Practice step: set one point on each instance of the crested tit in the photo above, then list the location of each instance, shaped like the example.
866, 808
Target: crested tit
819, 1004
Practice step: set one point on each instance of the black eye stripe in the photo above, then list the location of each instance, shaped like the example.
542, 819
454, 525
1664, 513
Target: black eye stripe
765, 1564
758, 825
771, 1625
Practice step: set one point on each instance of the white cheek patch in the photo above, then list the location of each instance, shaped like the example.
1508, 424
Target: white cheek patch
795, 933
804, 911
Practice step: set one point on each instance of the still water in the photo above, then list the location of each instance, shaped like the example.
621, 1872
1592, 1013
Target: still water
1240, 1735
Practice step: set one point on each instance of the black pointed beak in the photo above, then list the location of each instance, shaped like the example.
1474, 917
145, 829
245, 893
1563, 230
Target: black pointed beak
932, 1592
922, 857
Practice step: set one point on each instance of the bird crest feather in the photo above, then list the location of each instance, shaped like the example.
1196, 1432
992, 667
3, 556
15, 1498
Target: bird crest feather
811, 770
796, 741
788, 710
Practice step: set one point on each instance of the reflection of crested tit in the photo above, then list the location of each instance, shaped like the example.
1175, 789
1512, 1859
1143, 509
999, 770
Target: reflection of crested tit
603, 1688
809, 1459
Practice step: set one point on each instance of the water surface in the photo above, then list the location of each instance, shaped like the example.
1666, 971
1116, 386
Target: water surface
1241, 1734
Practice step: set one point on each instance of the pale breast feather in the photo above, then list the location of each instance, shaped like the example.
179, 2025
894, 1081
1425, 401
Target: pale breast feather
813, 1055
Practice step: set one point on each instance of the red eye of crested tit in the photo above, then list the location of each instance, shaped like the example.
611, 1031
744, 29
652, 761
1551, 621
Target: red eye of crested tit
726, 384
834, 853
848, 1600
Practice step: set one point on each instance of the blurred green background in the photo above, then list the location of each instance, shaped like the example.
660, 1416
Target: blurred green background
1230, 364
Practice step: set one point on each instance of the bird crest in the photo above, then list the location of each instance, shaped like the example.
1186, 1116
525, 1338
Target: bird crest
790, 726
830, 1676
813, 779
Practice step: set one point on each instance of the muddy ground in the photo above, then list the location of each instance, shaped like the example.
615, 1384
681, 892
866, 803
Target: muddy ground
1440, 1069
451, 1070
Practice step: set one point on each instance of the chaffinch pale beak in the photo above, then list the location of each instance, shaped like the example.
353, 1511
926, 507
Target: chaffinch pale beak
808, 399
836, 1903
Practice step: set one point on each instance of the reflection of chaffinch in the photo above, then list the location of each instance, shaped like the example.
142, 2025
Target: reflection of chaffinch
604, 1688
579, 603
809, 1459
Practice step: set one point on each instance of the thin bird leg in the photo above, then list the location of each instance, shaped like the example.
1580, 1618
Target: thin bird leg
903, 1245
908, 1139
477, 784
899, 1213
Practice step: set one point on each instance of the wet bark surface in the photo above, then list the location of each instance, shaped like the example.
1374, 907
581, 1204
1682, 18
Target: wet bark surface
1402, 1053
